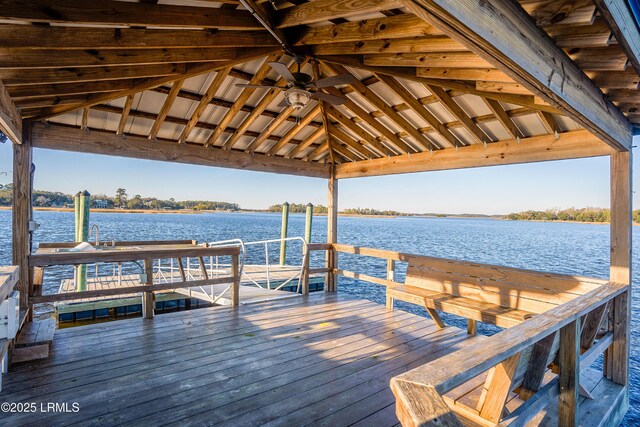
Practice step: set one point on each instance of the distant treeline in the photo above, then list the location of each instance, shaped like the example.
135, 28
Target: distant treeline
320, 209
581, 215
298, 208
373, 212
120, 201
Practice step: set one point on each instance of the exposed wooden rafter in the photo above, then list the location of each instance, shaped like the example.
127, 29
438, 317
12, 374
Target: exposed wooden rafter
124, 13
501, 32
166, 106
10, 120
324, 10
215, 84
146, 84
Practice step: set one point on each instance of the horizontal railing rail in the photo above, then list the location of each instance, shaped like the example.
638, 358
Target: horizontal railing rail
148, 256
419, 392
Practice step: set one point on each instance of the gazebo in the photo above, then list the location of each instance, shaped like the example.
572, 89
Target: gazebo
403, 86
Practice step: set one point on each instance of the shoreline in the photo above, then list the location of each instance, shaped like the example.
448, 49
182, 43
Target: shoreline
196, 212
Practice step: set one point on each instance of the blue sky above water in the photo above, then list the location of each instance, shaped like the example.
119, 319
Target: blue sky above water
493, 190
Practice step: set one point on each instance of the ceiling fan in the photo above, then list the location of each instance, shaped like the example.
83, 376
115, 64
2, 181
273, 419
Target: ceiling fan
300, 87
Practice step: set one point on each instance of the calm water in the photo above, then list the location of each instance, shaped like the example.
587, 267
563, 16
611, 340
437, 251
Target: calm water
581, 249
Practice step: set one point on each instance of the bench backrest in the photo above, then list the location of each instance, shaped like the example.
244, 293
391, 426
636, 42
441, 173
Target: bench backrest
535, 292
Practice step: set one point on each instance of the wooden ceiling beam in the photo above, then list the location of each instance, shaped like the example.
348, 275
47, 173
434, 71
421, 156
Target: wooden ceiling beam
259, 110
268, 131
241, 99
166, 107
357, 146
628, 79
17, 37
409, 73
565, 12
85, 119
374, 99
315, 153
456, 111
387, 46
46, 76
340, 150
64, 89
501, 115
179, 121
393, 27
472, 74
570, 36
108, 12
549, 123
10, 120
624, 26
610, 58
43, 58
215, 84
389, 136
291, 133
306, 143
505, 35
124, 116
325, 10
60, 137
362, 134
435, 59
418, 108
146, 84
568, 145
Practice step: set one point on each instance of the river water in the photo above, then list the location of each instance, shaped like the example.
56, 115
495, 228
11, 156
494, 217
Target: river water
569, 248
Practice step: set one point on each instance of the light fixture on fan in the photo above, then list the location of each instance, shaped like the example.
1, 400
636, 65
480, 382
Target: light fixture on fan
297, 98
297, 93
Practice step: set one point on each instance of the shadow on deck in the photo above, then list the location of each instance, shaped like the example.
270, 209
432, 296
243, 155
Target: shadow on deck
325, 359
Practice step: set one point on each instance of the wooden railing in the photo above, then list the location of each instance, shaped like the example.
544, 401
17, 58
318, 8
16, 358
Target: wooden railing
420, 392
9, 276
146, 254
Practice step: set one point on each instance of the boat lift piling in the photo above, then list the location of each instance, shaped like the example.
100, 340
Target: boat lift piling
283, 233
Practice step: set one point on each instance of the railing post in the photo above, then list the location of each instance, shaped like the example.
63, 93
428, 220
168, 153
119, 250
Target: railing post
283, 233
569, 365
391, 270
617, 356
148, 298
235, 286
305, 270
332, 235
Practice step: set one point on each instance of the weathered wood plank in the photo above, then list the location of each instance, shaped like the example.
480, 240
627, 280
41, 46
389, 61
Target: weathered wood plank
575, 144
10, 119
501, 32
124, 13
74, 139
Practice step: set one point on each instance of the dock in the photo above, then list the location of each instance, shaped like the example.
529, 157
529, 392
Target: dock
256, 286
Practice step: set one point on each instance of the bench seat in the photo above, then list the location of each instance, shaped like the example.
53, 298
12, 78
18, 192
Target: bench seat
466, 307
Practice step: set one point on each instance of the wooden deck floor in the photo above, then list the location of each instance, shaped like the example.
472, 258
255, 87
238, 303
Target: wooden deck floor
316, 360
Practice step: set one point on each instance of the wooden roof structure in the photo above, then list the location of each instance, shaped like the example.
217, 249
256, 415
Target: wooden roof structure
440, 84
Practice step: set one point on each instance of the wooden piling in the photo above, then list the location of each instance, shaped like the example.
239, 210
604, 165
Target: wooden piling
283, 233
308, 223
82, 202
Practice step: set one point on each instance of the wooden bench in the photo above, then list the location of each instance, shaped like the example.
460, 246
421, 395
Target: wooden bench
501, 296
541, 354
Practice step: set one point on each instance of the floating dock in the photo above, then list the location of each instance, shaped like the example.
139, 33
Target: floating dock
257, 285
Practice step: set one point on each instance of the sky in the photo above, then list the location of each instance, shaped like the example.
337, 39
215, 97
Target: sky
490, 190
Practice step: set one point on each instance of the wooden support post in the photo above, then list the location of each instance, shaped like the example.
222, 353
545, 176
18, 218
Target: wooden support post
617, 357
332, 234
391, 275
569, 364
283, 233
22, 212
148, 298
308, 220
82, 203
305, 271
235, 286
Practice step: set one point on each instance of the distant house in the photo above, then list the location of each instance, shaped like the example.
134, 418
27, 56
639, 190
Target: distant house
101, 204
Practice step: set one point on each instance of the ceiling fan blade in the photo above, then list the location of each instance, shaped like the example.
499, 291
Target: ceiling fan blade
260, 86
283, 103
283, 70
341, 79
331, 99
